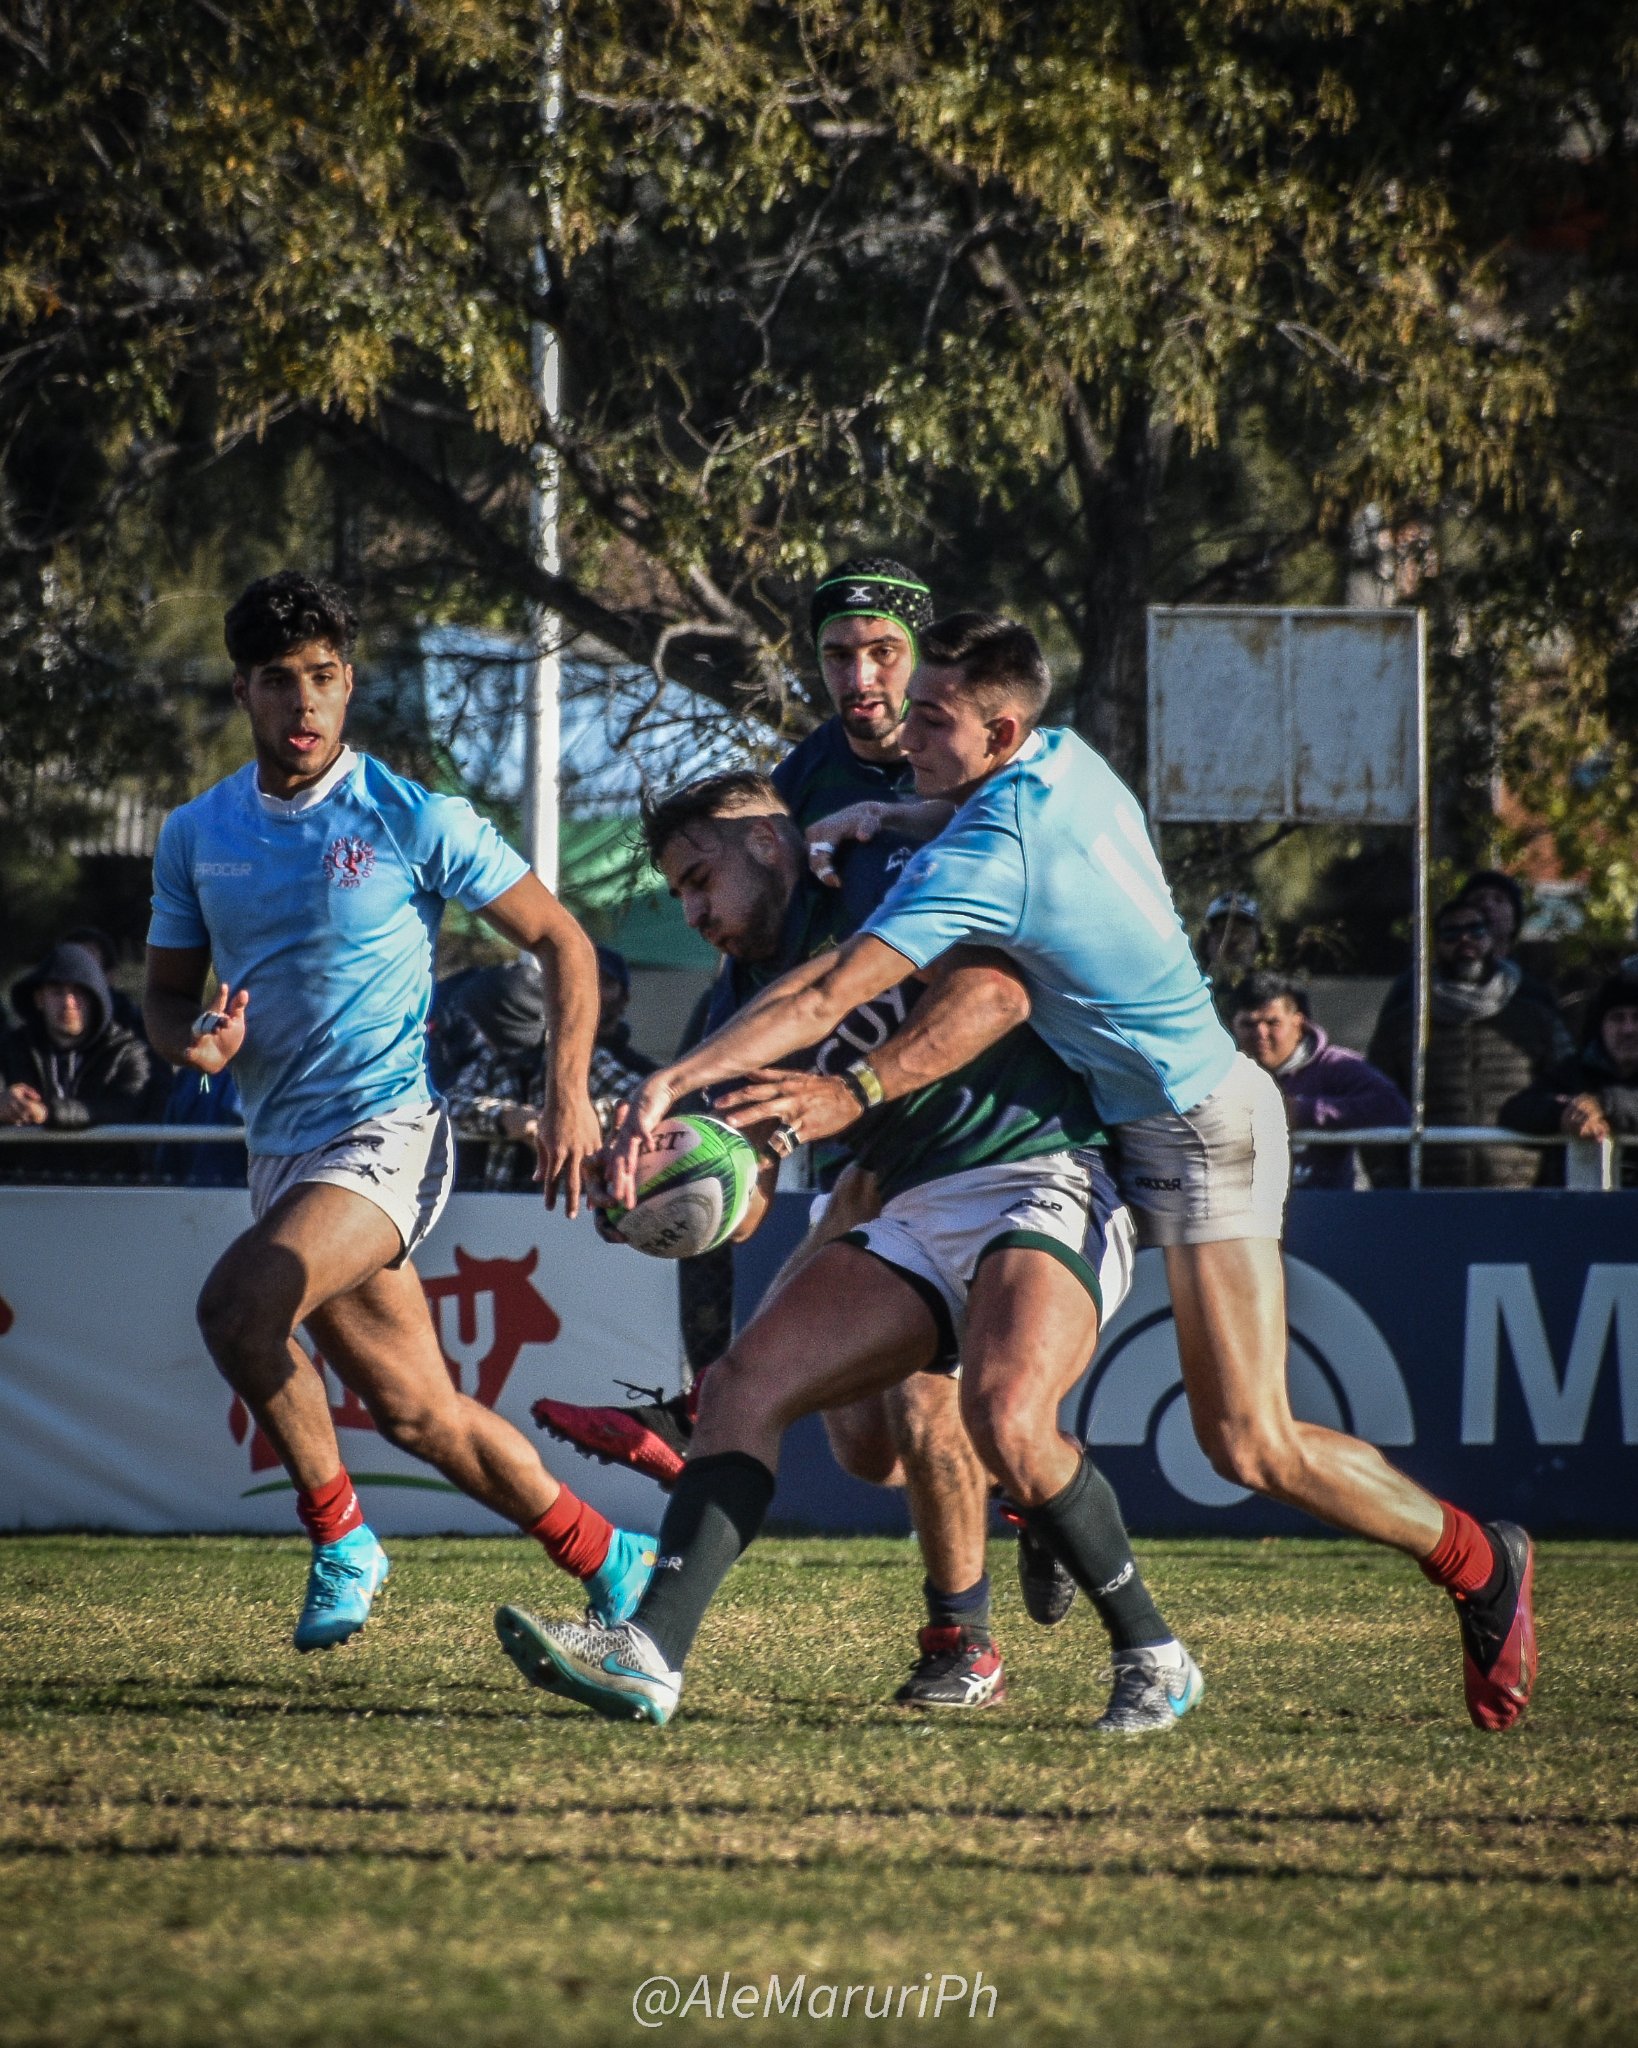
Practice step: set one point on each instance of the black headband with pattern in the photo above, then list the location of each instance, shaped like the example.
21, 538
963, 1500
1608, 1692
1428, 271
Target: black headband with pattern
872, 587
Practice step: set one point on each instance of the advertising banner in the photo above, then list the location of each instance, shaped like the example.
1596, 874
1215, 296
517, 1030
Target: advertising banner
113, 1417
1487, 1342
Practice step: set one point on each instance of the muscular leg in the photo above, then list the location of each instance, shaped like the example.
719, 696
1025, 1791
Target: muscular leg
318, 1242
1229, 1301
1031, 1326
797, 1356
948, 1488
913, 1436
843, 1326
379, 1337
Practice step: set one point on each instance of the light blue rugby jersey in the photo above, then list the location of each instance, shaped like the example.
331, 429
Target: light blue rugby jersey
328, 916
1050, 862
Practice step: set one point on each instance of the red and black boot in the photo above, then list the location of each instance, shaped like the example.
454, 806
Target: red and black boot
651, 1437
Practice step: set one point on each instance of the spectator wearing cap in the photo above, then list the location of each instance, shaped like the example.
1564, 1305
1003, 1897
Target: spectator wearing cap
1593, 1093
499, 1090
1228, 943
1501, 901
68, 1065
864, 616
1326, 1087
1490, 1037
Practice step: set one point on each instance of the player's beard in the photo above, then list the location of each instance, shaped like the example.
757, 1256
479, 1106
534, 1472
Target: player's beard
874, 726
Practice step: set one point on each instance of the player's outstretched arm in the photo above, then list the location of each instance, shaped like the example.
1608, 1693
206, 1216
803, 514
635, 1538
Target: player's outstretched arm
862, 821
531, 917
975, 999
791, 1013
178, 1030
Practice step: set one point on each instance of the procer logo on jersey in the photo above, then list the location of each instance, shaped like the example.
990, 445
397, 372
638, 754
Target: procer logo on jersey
348, 861
220, 867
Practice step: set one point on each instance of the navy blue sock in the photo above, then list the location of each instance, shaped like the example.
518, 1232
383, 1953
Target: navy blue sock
958, 1610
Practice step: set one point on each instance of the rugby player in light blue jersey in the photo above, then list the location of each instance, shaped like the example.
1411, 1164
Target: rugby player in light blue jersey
1047, 859
314, 880
998, 1241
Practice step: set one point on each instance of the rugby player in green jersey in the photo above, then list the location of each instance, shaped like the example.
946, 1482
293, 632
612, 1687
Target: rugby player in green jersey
1000, 1241
865, 616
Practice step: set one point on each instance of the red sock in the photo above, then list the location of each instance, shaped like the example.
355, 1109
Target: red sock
575, 1536
330, 1510
1463, 1560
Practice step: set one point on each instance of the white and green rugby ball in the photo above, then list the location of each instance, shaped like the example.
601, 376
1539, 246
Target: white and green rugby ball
695, 1179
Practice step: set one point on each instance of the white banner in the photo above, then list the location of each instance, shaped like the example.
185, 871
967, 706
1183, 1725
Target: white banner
113, 1417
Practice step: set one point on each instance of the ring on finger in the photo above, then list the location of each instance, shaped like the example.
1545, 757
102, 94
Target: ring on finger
783, 1140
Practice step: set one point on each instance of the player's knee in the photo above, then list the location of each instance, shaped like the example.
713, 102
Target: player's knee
864, 1454
1006, 1427
737, 1387
231, 1321
1253, 1454
926, 1417
423, 1431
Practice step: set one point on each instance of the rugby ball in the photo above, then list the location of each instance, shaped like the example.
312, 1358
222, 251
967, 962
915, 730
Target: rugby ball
695, 1179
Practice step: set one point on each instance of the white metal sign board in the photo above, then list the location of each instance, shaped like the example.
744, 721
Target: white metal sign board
1261, 713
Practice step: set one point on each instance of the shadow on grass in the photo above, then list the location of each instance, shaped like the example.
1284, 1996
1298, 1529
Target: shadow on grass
1209, 1871
1057, 1814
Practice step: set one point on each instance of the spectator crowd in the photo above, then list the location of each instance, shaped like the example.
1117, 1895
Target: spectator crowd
1501, 1055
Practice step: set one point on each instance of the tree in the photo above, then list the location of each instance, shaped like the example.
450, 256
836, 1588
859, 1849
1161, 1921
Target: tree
1086, 306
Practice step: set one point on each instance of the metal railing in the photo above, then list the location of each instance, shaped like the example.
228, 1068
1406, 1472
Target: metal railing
1589, 1163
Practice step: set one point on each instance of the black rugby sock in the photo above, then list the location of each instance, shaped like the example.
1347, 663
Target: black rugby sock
1082, 1526
715, 1510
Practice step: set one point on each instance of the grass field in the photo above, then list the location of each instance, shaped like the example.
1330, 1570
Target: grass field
209, 1840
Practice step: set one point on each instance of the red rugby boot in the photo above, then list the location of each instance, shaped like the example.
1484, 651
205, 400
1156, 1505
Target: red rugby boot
1499, 1635
651, 1438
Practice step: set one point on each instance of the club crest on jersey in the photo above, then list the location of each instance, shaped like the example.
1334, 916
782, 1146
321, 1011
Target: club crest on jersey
348, 861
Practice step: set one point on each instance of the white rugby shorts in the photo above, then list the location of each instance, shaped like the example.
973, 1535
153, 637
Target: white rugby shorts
1062, 1203
1220, 1170
403, 1162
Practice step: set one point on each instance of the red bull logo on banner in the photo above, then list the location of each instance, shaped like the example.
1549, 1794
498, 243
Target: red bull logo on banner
484, 1313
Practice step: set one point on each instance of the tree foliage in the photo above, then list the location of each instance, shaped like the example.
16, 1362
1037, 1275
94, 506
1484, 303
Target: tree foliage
1084, 306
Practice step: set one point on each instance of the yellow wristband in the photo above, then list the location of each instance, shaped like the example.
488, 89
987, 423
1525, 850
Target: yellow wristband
866, 1083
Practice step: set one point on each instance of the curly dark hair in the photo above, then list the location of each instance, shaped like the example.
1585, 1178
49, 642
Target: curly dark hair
283, 611
741, 791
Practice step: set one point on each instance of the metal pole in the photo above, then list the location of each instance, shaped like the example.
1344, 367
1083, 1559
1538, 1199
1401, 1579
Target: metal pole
1419, 911
543, 710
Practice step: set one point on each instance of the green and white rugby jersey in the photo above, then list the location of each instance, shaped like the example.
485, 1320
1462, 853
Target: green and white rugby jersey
1018, 1100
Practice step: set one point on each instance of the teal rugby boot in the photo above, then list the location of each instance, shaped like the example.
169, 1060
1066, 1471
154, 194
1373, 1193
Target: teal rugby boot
617, 1672
621, 1580
1154, 1689
342, 1582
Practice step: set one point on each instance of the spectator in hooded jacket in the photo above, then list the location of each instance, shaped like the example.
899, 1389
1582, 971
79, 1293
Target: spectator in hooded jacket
1594, 1093
1489, 1038
68, 1064
1326, 1087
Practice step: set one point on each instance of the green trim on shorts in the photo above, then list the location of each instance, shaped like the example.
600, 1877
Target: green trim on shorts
1055, 1248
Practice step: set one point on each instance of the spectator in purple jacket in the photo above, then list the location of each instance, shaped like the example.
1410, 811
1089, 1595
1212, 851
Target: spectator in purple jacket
1326, 1087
